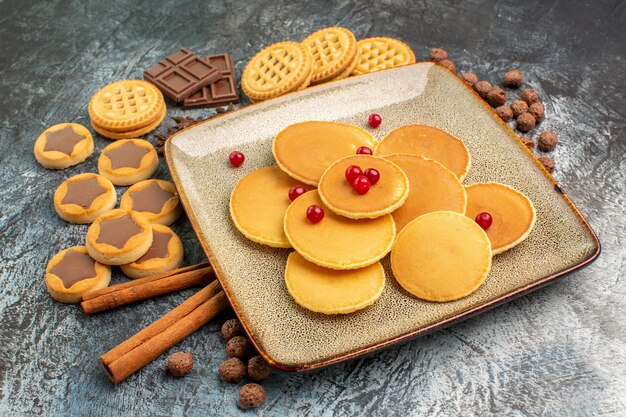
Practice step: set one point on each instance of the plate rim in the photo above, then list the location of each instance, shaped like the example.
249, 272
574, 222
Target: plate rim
405, 337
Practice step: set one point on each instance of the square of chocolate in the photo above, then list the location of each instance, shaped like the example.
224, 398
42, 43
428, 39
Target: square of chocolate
219, 93
181, 74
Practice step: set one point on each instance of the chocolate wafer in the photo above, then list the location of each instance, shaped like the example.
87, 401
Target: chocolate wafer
181, 74
222, 91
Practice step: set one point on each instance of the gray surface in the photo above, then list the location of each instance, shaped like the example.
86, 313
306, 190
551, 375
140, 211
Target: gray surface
560, 351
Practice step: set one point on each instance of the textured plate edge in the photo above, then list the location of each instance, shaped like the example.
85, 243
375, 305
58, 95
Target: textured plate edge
169, 159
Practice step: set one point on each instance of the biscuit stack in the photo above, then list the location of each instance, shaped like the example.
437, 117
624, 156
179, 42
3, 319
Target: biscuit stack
327, 55
126, 109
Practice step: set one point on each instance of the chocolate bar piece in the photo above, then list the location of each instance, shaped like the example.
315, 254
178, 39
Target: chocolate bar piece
221, 92
181, 74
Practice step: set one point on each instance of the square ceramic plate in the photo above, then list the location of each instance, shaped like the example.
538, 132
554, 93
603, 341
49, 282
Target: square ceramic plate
294, 339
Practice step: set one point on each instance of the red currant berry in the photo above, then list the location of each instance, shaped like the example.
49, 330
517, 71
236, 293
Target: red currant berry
372, 174
364, 150
236, 158
314, 213
374, 120
296, 191
362, 184
352, 172
484, 220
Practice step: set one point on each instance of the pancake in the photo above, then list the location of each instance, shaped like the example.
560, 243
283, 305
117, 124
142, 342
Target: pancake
385, 196
429, 142
330, 291
512, 212
305, 150
258, 204
441, 256
433, 187
337, 242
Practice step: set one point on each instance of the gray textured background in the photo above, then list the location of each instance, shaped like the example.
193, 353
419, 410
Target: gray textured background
559, 351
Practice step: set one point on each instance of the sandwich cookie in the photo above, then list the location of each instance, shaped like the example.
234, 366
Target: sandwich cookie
513, 214
157, 200
128, 161
63, 145
83, 197
165, 254
258, 204
433, 187
429, 142
72, 273
305, 150
337, 242
119, 237
377, 54
333, 49
388, 193
441, 256
329, 291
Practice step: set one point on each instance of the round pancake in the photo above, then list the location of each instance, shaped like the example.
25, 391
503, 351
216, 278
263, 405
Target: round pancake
337, 242
385, 196
512, 212
441, 256
305, 150
433, 187
429, 142
258, 204
330, 291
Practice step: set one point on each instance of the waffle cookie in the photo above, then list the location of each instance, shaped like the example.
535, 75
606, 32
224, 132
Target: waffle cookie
72, 273
165, 254
333, 50
429, 142
512, 212
63, 145
127, 108
330, 291
337, 242
83, 197
157, 200
385, 196
278, 69
377, 54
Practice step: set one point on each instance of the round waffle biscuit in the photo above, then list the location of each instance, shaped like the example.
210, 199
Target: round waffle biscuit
126, 105
131, 134
377, 54
332, 50
278, 69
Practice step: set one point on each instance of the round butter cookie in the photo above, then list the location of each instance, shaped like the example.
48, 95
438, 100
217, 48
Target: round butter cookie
258, 204
128, 161
333, 49
429, 142
63, 145
337, 242
157, 200
126, 105
83, 197
512, 212
119, 237
385, 196
441, 256
278, 69
433, 187
329, 291
165, 254
72, 273
134, 133
377, 54
305, 150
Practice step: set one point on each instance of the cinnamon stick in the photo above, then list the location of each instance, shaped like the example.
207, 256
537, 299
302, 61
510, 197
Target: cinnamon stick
145, 346
144, 288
